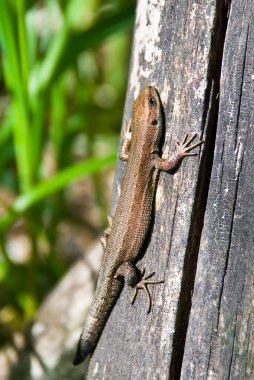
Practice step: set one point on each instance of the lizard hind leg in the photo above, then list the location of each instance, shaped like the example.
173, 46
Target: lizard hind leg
129, 273
142, 284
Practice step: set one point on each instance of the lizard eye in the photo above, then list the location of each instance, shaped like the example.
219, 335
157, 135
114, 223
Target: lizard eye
151, 101
154, 122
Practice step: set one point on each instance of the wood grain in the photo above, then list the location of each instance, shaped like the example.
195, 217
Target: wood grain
203, 214
220, 340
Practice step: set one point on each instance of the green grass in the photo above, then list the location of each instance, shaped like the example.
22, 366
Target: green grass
63, 79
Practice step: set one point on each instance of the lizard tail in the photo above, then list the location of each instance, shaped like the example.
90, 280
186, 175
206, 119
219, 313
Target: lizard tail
105, 296
85, 347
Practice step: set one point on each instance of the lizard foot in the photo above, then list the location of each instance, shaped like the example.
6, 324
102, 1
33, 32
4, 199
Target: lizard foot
142, 284
184, 148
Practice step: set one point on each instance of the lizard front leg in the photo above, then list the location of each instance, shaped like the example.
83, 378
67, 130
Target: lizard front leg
126, 143
103, 239
129, 273
183, 150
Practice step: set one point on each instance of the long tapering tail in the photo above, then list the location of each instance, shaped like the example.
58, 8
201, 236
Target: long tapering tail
85, 347
105, 297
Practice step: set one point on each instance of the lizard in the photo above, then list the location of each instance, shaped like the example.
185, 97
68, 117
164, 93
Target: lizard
123, 239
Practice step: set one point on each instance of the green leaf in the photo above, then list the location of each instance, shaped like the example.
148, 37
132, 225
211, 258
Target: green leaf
15, 79
54, 184
22, 38
69, 44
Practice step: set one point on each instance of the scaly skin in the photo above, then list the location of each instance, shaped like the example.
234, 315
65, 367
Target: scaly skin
131, 221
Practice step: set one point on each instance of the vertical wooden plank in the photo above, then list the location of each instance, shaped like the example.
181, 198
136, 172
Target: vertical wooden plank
177, 48
220, 338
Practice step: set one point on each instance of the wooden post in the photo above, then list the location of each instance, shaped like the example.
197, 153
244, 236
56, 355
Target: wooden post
199, 55
220, 337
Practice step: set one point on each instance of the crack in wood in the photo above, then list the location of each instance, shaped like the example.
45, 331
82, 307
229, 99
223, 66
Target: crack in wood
245, 38
209, 121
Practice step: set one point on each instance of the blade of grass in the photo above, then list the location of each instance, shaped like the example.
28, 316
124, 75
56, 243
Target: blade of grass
15, 83
22, 38
54, 184
38, 117
69, 44
6, 156
5, 129
58, 117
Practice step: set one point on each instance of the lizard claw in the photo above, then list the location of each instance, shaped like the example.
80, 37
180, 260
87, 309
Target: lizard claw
184, 148
142, 284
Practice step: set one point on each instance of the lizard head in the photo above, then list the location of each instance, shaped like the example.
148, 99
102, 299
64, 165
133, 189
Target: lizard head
147, 120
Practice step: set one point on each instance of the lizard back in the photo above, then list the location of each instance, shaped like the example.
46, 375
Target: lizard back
132, 217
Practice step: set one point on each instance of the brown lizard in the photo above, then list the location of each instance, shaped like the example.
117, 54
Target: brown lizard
124, 238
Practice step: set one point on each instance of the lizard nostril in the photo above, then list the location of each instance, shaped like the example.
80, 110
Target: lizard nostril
155, 122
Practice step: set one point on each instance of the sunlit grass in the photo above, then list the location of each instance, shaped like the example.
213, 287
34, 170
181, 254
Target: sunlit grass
63, 75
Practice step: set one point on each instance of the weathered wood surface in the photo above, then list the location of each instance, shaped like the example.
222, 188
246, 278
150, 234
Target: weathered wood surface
178, 47
220, 338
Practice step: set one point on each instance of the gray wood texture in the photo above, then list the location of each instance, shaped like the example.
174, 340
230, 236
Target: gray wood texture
199, 55
220, 338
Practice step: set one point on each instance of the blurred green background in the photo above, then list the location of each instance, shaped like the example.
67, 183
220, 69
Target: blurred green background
63, 76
